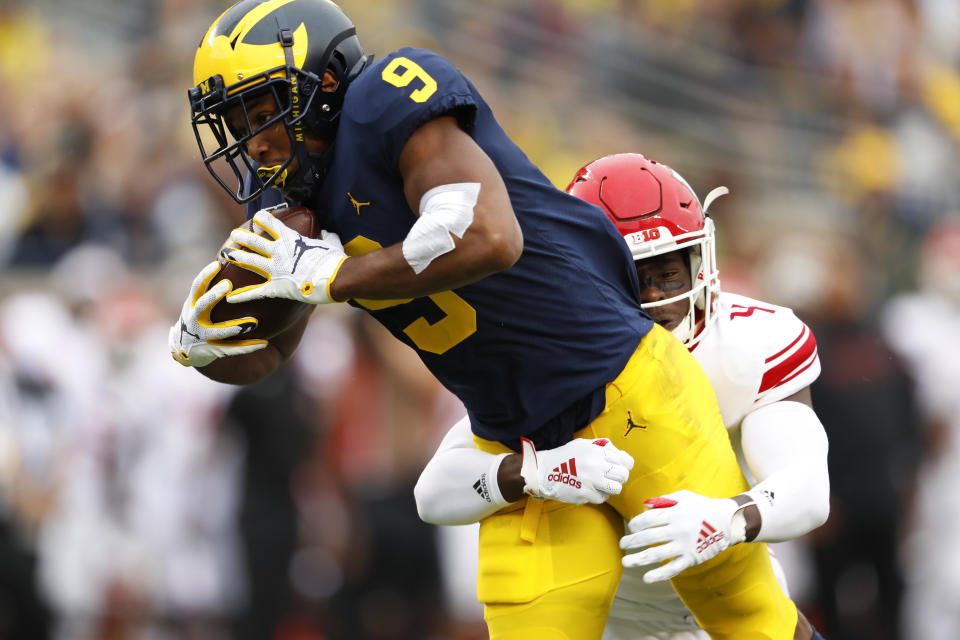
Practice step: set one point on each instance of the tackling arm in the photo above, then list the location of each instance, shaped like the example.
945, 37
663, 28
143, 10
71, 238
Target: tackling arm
786, 448
459, 485
462, 484
252, 367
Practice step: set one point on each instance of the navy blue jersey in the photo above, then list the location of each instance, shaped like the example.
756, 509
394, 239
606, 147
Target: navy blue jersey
528, 350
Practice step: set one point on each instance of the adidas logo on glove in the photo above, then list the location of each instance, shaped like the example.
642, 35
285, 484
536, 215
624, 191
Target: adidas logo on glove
708, 535
554, 473
566, 473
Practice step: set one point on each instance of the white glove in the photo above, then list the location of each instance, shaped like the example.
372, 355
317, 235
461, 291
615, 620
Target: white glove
195, 340
294, 266
692, 529
577, 472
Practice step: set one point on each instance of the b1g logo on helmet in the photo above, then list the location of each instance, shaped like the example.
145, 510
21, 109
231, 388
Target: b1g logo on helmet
648, 235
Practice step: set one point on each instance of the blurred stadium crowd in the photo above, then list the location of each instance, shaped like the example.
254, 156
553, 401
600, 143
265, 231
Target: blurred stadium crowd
140, 500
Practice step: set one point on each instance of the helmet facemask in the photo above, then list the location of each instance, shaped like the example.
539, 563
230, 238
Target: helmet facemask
704, 280
255, 44
224, 148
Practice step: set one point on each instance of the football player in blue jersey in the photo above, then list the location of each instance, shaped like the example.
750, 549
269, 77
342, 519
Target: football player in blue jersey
521, 299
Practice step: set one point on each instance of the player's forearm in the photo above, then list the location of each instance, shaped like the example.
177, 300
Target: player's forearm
253, 367
790, 504
459, 486
786, 448
386, 275
458, 474
245, 369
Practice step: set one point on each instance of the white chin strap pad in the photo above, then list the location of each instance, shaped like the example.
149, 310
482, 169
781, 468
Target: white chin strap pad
444, 210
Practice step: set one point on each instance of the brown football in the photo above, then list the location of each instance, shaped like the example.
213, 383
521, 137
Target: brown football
274, 315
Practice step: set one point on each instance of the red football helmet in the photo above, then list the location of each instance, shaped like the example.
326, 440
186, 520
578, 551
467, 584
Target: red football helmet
657, 212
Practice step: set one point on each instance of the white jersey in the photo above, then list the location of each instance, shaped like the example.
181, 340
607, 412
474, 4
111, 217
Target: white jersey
755, 354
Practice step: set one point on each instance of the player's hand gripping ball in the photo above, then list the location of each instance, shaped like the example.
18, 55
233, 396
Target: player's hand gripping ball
274, 315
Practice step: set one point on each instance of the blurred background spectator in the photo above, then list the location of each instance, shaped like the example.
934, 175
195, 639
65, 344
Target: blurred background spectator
921, 325
138, 500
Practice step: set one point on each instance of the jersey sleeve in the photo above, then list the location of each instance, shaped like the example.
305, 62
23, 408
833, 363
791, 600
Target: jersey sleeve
790, 362
403, 91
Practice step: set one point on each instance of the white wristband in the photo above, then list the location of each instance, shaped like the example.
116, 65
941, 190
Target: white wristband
738, 523
493, 483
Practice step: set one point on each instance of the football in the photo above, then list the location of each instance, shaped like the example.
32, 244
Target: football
274, 315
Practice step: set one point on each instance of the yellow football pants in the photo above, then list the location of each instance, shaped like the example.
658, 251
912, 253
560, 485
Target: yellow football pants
549, 570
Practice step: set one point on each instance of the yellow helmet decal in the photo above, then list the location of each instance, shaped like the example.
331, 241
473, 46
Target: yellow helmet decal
228, 56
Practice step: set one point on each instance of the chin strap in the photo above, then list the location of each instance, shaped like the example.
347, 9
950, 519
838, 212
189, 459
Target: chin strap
301, 185
297, 185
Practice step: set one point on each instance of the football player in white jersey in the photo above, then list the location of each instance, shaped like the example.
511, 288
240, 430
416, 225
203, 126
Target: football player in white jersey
760, 359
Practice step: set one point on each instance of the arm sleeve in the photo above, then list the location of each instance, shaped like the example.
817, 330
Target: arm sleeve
786, 448
459, 484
